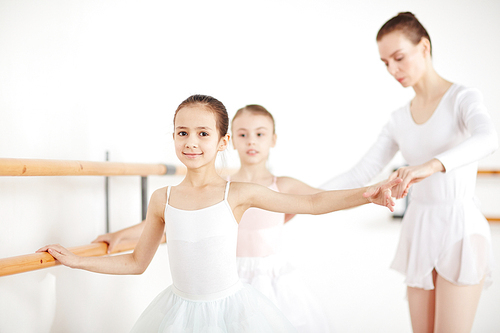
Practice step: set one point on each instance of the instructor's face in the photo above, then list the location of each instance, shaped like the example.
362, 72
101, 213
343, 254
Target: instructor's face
404, 60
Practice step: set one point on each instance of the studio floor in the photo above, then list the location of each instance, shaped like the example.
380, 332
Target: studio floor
345, 258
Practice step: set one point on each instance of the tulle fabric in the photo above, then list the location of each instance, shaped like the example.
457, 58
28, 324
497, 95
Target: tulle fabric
452, 237
280, 282
245, 310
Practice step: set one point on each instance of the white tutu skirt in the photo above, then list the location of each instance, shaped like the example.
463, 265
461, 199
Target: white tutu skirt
279, 281
239, 309
452, 237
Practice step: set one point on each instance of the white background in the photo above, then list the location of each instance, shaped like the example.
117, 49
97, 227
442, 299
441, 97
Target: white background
79, 78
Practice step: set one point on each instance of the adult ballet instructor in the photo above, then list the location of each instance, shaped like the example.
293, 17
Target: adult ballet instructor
445, 244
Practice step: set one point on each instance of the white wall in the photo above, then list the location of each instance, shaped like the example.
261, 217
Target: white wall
79, 78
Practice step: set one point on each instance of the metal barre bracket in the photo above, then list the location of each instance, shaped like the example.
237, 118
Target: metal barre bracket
171, 169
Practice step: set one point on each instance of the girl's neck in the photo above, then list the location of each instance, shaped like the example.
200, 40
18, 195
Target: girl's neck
254, 173
201, 177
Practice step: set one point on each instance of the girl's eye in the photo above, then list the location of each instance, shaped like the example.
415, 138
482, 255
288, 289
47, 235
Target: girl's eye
182, 133
260, 134
399, 58
242, 135
203, 134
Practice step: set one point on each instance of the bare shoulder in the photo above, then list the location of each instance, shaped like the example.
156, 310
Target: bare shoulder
286, 183
241, 187
159, 197
242, 191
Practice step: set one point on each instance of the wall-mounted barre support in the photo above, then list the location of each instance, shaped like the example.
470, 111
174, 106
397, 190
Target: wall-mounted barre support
144, 196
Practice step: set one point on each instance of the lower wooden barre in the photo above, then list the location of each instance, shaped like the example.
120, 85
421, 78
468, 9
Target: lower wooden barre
493, 219
31, 262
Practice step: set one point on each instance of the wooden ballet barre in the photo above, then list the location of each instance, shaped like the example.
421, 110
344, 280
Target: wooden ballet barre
46, 167
34, 261
488, 172
484, 172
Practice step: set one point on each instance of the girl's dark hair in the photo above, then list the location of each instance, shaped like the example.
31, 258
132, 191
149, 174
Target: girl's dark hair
408, 24
255, 109
212, 104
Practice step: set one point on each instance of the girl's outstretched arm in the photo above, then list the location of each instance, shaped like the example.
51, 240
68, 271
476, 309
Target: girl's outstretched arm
130, 263
291, 185
294, 186
246, 195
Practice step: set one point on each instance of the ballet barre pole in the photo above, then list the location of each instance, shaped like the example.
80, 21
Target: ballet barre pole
34, 261
47, 167
485, 172
491, 172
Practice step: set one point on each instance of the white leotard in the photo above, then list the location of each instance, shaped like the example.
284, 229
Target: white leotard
202, 247
206, 294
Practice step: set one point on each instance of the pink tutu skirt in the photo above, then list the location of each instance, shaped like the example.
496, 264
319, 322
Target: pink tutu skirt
279, 281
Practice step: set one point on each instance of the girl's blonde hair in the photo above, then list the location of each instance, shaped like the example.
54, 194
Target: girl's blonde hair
255, 109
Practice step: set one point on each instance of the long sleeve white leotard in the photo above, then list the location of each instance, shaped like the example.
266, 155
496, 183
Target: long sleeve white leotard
442, 228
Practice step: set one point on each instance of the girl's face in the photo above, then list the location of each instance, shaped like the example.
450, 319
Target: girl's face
405, 61
253, 137
196, 137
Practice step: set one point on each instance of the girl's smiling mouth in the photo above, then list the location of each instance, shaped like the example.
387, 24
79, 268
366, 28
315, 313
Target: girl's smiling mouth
192, 155
252, 152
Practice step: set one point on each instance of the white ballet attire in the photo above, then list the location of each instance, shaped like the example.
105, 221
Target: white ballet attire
207, 295
261, 264
442, 228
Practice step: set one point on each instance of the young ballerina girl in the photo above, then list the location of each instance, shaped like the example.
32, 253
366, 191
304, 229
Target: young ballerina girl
259, 259
200, 218
445, 244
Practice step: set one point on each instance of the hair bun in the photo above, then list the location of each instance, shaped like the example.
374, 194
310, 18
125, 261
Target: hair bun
408, 24
406, 14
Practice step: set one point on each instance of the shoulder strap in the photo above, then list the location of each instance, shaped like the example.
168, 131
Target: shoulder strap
227, 190
168, 193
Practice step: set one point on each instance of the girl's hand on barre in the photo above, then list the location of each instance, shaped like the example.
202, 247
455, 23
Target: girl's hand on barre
414, 174
111, 239
61, 254
380, 193
114, 238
